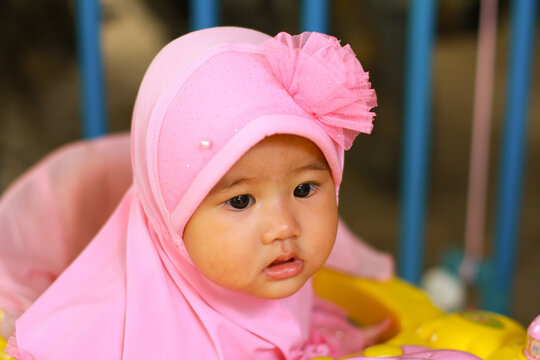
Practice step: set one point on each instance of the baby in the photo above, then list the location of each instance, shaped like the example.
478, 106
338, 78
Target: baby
237, 153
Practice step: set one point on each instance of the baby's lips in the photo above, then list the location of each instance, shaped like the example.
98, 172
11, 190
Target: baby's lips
284, 258
282, 269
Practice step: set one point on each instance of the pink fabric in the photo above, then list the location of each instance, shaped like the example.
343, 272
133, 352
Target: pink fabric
133, 292
355, 257
51, 213
68, 196
326, 80
532, 347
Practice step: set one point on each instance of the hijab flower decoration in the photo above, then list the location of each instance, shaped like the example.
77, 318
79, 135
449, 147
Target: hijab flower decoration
326, 80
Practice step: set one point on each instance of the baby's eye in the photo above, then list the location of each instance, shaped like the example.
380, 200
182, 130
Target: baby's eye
304, 190
240, 202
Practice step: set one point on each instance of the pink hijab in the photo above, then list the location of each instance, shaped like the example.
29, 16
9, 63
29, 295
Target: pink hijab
205, 100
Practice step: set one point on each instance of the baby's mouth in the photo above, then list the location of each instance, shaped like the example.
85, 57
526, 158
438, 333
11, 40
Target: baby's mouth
279, 262
284, 267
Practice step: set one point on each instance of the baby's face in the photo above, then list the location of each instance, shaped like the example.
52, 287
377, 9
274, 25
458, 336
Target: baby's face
270, 222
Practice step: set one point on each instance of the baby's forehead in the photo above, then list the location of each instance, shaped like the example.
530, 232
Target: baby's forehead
292, 148
275, 156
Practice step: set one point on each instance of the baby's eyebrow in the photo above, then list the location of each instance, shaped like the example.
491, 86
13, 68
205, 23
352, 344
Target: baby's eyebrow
315, 165
225, 184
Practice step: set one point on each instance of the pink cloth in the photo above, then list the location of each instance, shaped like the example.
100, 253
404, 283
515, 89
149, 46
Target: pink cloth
353, 256
133, 292
52, 212
532, 348
68, 196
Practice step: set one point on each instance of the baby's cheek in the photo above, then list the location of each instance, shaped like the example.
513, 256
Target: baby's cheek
321, 256
236, 272
322, 248
239, 274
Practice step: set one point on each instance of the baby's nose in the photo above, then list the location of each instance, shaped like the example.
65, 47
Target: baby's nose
280, 224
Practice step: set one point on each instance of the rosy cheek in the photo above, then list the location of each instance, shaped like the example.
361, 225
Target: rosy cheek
213, 265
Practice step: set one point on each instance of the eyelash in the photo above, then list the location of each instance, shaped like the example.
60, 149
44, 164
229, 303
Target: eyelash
312, 188
229, 203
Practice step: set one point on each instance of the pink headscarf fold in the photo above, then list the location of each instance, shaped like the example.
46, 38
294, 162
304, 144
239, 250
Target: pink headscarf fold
133, 292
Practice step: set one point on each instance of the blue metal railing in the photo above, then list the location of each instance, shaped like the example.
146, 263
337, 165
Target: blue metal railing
512, 159
315, 15
421, 29
91, 68
203, 14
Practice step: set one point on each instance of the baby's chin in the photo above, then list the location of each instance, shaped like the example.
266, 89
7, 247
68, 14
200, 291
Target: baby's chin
280, 289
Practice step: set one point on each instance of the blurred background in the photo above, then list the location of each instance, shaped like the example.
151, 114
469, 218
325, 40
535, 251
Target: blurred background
40, 107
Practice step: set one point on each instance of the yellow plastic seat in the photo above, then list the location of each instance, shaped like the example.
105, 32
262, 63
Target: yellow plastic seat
416, 321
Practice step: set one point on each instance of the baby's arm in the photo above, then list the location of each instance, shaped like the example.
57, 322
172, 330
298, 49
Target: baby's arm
353, 256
